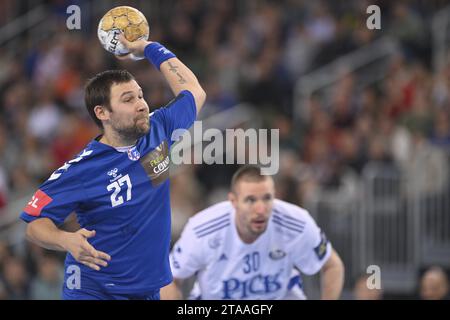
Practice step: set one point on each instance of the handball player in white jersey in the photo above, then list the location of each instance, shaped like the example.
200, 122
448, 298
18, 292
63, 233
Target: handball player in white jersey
251, 246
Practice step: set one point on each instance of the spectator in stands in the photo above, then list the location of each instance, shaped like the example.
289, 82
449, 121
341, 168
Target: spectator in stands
3, 294
361, 290
16, 280
440, 136
44, 117
427, 170
3, 191
406, 25
48, 282
5, 252
434, 284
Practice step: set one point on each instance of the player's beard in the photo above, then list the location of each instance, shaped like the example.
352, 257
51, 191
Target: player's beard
140, 127
258, 230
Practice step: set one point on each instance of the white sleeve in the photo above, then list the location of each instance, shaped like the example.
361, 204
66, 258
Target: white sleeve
311, 249
186, 257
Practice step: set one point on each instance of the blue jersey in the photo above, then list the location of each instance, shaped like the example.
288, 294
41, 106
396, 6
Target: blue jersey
124, 197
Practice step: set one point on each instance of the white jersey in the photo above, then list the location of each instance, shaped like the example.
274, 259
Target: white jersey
227, 268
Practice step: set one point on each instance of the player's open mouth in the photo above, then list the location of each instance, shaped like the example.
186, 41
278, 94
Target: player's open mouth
259, 223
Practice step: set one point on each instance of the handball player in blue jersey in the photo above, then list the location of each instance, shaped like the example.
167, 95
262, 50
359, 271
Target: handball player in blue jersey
118, 185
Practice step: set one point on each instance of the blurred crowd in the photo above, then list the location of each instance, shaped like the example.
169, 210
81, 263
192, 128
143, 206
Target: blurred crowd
241, 51
433, 285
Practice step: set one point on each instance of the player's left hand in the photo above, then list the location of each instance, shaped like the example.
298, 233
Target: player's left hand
136, 48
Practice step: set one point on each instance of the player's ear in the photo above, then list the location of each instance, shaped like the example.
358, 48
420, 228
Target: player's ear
101, 112
232, 198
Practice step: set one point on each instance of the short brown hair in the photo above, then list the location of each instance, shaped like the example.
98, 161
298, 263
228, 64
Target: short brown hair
98, 90
249, 173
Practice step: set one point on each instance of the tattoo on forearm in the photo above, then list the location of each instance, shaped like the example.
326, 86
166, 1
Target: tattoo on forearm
181, 80
173, 69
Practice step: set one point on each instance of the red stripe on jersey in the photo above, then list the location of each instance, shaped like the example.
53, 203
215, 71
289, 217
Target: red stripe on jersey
37, 203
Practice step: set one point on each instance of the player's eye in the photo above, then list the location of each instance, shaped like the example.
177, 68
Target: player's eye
250, 200
267, 197
128, 99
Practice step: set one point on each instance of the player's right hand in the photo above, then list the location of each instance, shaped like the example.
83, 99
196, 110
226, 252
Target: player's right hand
136, 48
78, 246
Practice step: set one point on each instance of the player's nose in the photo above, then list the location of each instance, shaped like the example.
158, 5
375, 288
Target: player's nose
260, 208
142, 106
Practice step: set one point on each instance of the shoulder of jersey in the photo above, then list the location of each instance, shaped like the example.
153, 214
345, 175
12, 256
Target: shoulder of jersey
287, 217
76, 166
211, 220
157, 115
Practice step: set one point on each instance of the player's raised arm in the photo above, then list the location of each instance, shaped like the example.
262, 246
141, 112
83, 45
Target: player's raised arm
177, 74
182, 78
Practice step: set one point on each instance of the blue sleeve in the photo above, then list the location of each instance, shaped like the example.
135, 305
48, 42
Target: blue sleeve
180, 113
55, 199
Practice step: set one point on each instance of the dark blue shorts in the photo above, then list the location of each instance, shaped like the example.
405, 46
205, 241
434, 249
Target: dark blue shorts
68, 294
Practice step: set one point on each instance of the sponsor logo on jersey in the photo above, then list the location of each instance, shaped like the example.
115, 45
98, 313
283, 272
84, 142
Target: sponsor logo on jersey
223, 257
133, 154
113, 172
277, 254
214, 243
39, 200
321, 249
156, 163
258, 285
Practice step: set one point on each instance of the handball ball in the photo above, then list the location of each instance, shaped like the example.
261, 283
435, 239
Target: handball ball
130, 21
